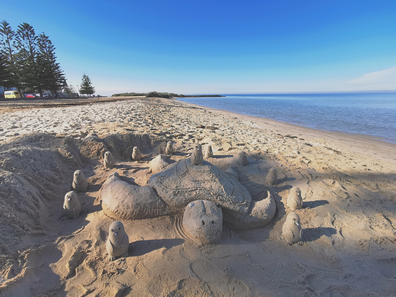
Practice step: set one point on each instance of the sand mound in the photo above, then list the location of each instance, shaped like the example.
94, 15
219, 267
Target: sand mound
32, 169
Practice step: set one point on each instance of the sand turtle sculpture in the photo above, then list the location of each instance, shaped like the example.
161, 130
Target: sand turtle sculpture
188, 180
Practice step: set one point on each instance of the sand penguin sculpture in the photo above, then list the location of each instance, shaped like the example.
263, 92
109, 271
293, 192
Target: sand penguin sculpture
169, 148
209, 152
71, 205
80, 183
136, 154
294, 201
242, 158
271, 178
118, 242
108, 161
291, 229
196, 157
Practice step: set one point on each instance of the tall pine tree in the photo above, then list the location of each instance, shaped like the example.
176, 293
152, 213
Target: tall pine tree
9, 76
5, 73
26, 44
50, 75
86, 86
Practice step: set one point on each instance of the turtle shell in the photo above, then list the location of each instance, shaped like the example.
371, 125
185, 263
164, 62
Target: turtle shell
182, 182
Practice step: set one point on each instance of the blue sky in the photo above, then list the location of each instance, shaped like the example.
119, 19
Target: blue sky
218, 46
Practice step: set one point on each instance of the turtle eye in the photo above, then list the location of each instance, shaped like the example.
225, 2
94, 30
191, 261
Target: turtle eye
212, 223
68, 198
203, 223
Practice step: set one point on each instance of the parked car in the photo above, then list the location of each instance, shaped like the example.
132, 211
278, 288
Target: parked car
11, 94
30, 96
46, 95
38, 95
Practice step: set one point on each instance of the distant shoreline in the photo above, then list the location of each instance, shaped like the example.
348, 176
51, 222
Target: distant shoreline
198, 96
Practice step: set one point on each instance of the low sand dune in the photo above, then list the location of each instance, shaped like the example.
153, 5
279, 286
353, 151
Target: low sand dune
348, 185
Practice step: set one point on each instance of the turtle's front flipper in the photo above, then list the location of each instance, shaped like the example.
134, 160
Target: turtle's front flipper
121, 200
261, 214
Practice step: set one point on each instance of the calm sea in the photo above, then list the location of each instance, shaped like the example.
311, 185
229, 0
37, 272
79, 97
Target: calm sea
372, 114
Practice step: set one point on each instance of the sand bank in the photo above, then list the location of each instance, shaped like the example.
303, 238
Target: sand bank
347, 182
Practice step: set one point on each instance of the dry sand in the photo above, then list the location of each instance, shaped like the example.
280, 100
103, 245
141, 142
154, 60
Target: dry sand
348, 184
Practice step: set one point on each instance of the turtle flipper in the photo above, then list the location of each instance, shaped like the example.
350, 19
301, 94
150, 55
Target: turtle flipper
121, 200
261, 214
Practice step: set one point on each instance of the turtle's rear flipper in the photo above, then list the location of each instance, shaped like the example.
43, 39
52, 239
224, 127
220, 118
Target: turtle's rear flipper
261, 214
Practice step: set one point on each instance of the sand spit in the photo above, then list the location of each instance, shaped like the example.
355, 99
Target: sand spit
347, 183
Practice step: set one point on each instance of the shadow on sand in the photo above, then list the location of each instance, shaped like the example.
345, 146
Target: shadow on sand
312, 234
313, 204
142, 247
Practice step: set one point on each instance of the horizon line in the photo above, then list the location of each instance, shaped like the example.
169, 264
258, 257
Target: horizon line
280, 93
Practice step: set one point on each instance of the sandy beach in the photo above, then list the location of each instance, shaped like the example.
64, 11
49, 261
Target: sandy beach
348, 185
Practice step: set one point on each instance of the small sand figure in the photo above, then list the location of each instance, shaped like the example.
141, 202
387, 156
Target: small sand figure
271, 178
209, 152
118, 242
294, 201
203, 221
158, 164
79, 183
242, 159
136, 154
71, 205
291, 229
108, 161
196, 155
169, 148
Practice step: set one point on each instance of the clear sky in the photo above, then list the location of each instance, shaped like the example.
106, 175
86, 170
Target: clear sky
216, 46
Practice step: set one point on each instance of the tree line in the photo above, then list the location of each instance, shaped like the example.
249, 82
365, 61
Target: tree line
28, 61
150, 94
161, 95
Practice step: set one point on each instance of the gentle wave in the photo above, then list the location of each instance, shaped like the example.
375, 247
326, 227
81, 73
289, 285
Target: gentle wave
371, 114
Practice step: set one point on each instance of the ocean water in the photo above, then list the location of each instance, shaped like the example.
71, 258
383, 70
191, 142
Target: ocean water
372, 114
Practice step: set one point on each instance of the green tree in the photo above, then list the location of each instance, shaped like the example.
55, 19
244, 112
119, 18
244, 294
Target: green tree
49, 74
86, 86
5, 74
7, 50
26, 45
